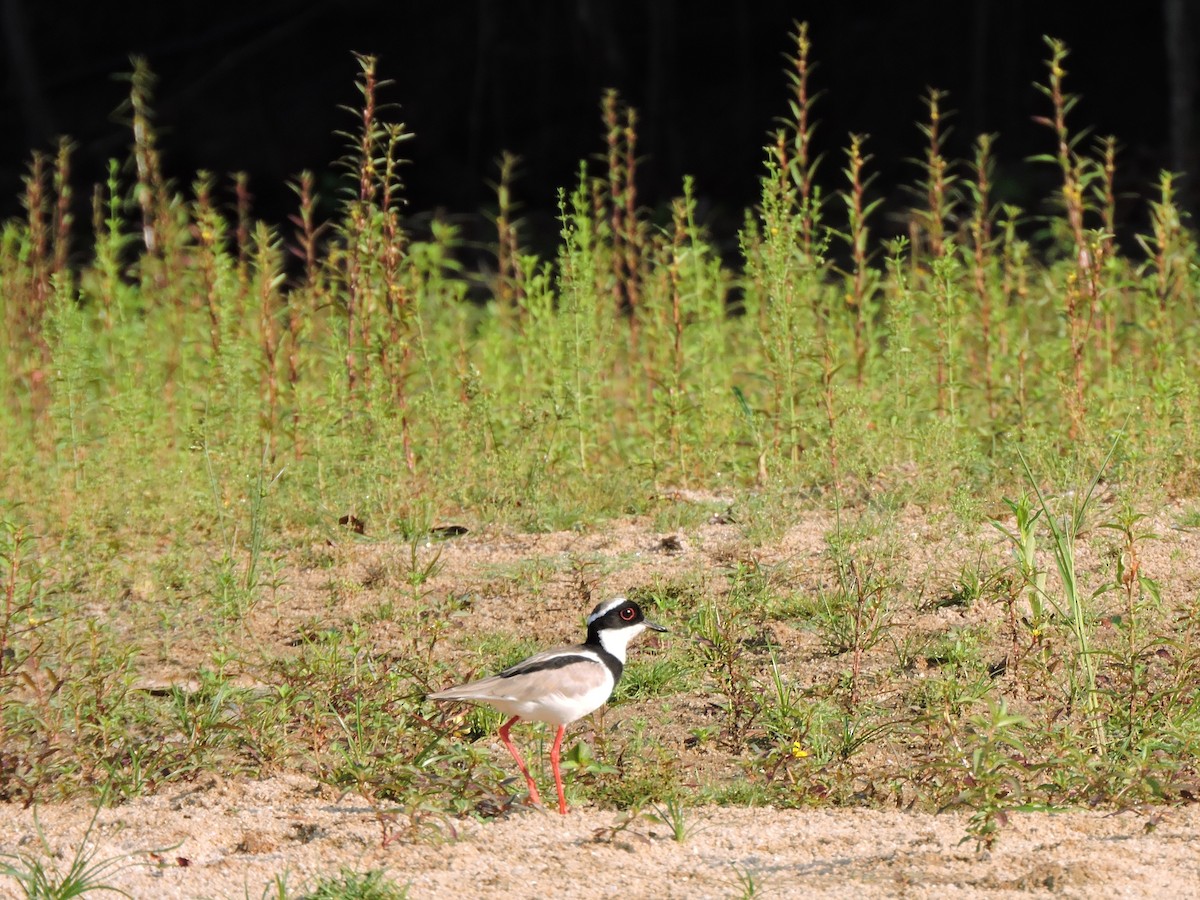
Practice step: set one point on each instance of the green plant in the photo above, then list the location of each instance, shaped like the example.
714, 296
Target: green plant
748, 882
1072, 606
785, 717
237, 591
654, 678
638, 769
83, 874
351, 885
17, 588
672, 813
721, 644
581, 760
276, 889
993, 771
1080, 290
1030, 581
855, 618
1140, 594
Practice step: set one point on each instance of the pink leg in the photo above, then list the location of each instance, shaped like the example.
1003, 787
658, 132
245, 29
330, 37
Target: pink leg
554, 752
534, 796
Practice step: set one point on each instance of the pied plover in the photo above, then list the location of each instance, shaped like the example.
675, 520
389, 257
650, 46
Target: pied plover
561, 685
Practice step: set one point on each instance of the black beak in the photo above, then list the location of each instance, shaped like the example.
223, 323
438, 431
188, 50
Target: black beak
653, 626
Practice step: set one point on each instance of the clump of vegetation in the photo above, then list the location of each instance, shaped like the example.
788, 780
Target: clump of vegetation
190, 411
49, 875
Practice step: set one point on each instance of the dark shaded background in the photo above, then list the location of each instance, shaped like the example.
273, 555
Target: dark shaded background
256, 87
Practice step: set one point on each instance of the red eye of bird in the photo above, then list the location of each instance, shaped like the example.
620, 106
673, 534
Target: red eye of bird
628, 613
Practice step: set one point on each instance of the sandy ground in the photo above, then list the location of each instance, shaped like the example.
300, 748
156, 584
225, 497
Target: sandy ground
226, 839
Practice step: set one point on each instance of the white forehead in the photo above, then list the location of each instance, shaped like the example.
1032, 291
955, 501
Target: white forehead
604, 608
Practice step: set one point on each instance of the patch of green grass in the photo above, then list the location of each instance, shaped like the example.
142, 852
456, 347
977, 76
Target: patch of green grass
764, 517
638, 770
957, 649
1189, 517
670, 596
529, 576
748, 882
643, 680
497, 651
52, 876
685, 515
351, 885
672, 813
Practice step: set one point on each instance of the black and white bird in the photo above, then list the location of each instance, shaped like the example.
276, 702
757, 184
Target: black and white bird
561, 685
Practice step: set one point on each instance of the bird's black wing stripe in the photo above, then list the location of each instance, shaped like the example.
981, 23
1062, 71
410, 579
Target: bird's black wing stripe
542, 665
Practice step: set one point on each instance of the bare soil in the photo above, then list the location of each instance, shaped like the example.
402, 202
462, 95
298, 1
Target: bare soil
222, 837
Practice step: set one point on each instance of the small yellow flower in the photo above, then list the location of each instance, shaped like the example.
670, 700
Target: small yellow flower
798, 750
